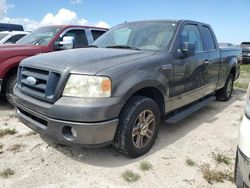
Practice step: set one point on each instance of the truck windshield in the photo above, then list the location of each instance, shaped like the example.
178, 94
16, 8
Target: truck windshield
2, 35
41, 36
150, 35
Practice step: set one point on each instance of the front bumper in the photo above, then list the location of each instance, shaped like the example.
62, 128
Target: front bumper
85, 134
244, 165
94, 120
245, 58
244, 141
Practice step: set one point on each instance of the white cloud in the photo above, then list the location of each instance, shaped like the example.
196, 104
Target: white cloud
3, 8
103, 24
63, 16
75, 1
28, 24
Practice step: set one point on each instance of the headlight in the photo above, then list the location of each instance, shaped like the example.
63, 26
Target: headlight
87, 86
248, 103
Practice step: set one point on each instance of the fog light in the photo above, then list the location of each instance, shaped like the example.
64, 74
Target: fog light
69, 133
74, 132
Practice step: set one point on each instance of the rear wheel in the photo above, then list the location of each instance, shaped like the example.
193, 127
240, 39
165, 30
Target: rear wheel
10, 84
225, 93
138, 127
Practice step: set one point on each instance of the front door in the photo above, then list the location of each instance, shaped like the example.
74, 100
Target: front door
188, 81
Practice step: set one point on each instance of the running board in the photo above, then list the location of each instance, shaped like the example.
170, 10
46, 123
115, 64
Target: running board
189, 110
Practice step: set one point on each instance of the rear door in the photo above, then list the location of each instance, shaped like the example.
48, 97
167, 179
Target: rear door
212, 64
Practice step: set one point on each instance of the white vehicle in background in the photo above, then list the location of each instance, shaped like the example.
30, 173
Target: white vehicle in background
11, 37
242, 164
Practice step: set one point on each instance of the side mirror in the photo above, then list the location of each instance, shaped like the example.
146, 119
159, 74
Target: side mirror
188, 49
66, 44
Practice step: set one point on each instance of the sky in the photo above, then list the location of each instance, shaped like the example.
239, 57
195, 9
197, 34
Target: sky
229, 18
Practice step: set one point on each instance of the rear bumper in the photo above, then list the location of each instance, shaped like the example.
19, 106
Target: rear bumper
85, 134
244, 165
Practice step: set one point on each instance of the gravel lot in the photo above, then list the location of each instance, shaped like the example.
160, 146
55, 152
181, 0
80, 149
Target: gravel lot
177, 158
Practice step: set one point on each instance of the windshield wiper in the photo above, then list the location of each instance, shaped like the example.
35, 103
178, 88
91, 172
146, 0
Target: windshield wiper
93, 46
123, 47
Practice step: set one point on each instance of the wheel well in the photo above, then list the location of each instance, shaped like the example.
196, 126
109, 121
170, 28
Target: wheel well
233, 71
11, 72
155, 94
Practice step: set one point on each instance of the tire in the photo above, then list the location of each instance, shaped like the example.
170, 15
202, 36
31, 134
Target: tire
10, 84
225, 93
138, 127
238, 177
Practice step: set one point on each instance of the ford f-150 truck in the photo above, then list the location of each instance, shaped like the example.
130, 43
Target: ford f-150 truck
117, 92
42, 40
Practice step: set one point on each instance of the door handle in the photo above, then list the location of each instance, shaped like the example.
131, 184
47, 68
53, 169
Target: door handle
206, 62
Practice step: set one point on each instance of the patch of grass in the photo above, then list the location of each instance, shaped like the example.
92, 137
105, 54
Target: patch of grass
244, 78
12, 116
190, 162
4, 132
16, 148
245, 68
241, 117
221, 158
213, 175
130, 176
145, 165
6, 173
240, 85
31, 133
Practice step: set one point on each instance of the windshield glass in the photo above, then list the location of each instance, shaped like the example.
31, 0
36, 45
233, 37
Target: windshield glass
2, 35
41, 36
151, 35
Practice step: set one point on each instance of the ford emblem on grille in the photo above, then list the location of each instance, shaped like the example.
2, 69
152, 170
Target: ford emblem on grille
31, 80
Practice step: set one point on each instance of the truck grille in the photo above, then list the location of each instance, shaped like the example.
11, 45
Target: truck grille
38, 83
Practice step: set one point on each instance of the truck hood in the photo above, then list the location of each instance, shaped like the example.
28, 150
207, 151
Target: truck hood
84, 61
11, 50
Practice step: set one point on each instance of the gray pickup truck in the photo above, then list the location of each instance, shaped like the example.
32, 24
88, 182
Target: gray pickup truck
117, 91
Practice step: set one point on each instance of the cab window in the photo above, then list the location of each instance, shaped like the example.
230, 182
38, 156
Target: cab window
191, 33
80, 39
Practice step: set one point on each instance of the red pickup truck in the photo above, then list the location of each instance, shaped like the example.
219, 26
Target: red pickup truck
42, 40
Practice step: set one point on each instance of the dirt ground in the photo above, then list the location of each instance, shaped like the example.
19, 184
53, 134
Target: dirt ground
38, 162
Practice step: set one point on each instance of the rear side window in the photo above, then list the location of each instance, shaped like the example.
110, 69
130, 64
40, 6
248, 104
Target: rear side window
97, 33
191, 33
80, 38
209, 39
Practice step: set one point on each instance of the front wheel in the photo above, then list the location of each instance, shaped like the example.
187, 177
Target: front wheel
225, 93
10, 84
138, 127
